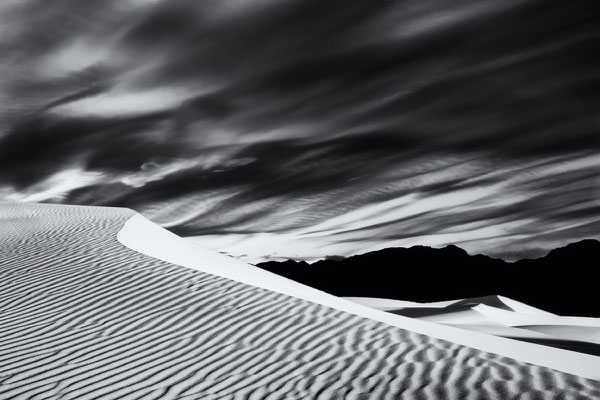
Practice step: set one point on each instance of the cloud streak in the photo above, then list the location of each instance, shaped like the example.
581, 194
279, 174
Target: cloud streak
477, 120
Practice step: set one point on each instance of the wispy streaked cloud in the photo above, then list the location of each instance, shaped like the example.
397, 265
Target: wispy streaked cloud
524, 211
307, 127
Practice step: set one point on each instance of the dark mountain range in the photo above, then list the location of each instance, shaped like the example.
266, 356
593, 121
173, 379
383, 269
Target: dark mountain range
563, 282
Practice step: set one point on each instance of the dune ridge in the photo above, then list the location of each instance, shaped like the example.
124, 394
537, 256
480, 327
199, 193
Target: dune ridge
503, 317
143, 236
84, 317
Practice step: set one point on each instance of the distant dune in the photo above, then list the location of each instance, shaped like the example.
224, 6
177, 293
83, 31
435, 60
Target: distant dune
501, 316
84, 316
559, 282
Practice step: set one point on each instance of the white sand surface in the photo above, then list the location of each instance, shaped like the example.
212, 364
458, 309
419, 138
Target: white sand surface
589, 334
483, 315
143, 236
391, 304
463, 317
509, 318
522, 308
84, 317
505, 331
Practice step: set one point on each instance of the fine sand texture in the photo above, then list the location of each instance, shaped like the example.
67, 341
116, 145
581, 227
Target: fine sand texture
84, 317
144, 236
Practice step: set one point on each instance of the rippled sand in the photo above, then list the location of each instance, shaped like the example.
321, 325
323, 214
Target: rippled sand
83, 317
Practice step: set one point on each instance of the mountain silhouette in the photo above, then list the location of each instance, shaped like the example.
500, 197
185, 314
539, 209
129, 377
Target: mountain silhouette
563, 282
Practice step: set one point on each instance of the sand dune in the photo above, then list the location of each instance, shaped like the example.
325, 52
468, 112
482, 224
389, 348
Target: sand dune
515, 319
85, 317
392, 304
522, 308
501, 316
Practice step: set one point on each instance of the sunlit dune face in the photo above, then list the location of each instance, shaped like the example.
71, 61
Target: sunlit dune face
304, 128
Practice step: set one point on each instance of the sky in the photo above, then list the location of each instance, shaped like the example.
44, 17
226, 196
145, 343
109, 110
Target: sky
274, 129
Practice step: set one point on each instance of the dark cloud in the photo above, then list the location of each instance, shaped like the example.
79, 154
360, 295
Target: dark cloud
274, 116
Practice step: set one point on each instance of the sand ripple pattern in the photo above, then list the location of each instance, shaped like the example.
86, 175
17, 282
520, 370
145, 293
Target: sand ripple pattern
83, 317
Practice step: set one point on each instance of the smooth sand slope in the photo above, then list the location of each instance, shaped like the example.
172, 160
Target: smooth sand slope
84, 317
501, 316
143, 236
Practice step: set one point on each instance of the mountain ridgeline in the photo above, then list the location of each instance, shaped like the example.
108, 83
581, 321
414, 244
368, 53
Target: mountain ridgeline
565, 281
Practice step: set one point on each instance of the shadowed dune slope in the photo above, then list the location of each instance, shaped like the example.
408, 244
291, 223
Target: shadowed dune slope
84, 317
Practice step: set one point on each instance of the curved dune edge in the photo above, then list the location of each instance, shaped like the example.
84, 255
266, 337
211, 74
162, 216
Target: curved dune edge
523, 308
515, 319
486, 315
85, 317
143, 236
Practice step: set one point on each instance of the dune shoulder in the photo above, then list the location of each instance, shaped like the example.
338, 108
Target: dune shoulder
86, 316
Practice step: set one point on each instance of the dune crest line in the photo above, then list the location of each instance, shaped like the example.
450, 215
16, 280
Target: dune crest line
141, 235
85, 317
